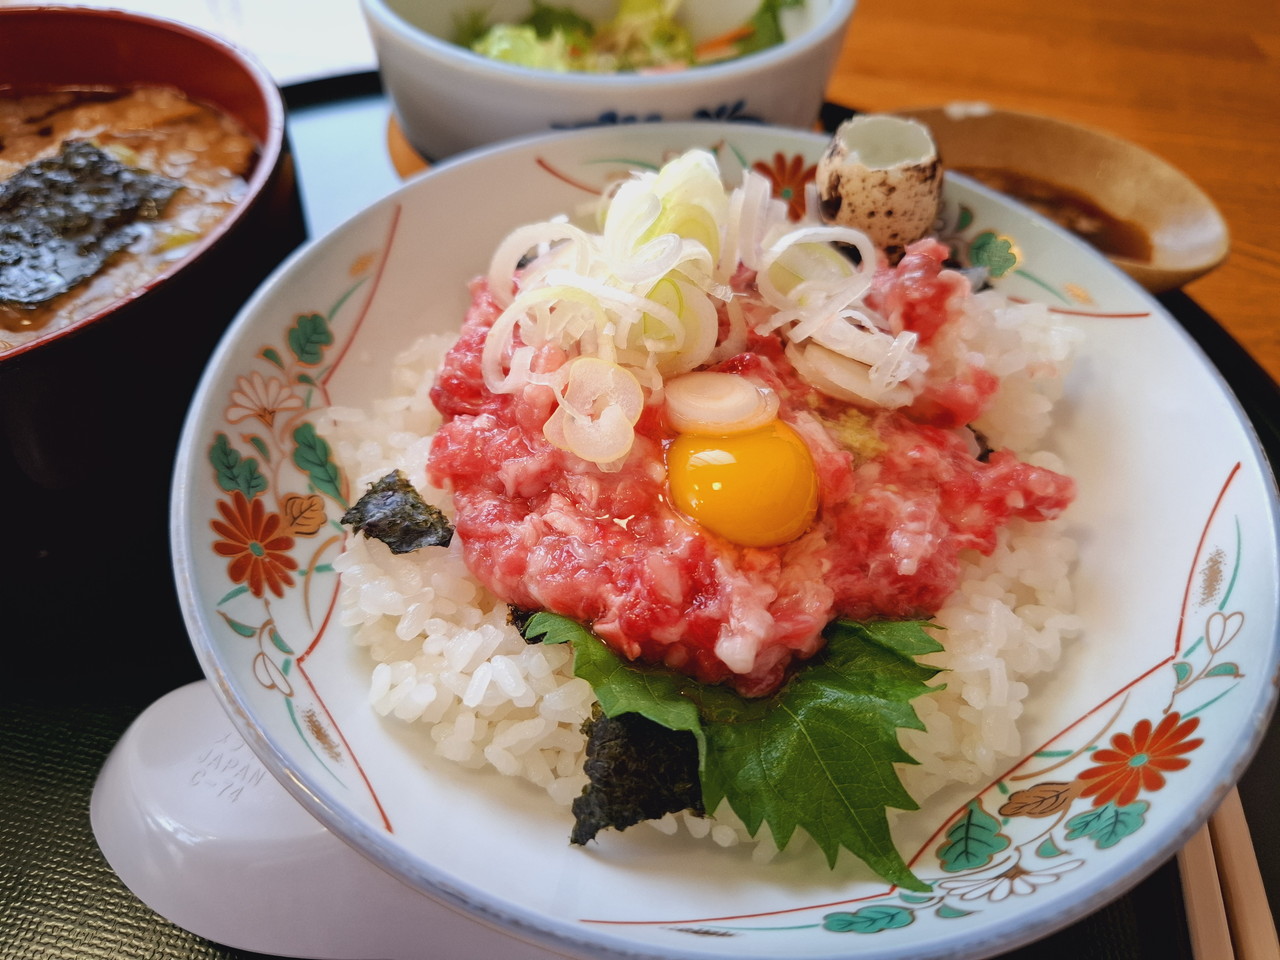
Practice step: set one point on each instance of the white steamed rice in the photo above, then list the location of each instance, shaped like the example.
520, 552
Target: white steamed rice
444, 655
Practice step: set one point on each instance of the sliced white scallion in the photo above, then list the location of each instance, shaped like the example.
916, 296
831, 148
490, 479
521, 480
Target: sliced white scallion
844, 379
892, 359
802, 268
669, 221
690, 343
531, 307
653, 294
694, 202
900, 362
755, 217
720, 404
736, 337
569, 245
599, 406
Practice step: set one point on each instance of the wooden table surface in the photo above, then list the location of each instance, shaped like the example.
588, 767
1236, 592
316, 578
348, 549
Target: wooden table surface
1196, 82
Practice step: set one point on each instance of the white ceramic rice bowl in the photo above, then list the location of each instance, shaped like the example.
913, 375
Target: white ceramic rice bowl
1177, 584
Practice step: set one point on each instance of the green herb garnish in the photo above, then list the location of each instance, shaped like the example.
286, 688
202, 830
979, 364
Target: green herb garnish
817, 754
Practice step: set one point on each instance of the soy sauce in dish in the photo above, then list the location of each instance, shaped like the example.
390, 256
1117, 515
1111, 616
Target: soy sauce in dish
1071, 209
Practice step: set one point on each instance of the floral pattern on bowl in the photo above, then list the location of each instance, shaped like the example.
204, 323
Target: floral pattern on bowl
1126, 764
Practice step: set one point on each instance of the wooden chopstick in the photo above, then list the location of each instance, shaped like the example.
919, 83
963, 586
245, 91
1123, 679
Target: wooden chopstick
1202, 895
1228, 914
1253, 927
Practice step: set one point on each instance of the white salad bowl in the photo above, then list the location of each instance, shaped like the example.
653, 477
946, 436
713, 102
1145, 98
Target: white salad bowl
447, 99
1176, 586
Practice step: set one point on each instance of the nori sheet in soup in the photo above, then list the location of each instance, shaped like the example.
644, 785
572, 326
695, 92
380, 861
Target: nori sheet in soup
64, 217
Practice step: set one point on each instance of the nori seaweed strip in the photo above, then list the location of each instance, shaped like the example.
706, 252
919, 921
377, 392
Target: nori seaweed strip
638, 770
984, 445
395, 513
64, 217
518, 617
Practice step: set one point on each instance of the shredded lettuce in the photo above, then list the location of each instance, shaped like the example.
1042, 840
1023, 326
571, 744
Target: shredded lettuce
766, 26
641, 35
546, 20
520, 44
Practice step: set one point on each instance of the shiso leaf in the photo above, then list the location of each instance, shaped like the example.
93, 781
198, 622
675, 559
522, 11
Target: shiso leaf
394, 512
817, 754
662, 696
63, 217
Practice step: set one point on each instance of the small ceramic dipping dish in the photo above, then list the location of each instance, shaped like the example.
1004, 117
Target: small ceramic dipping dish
103, 342
1146, 216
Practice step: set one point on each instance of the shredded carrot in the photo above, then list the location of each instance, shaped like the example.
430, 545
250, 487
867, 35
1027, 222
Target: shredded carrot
715, 47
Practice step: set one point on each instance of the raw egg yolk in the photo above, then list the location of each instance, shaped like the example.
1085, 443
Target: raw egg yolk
758, 488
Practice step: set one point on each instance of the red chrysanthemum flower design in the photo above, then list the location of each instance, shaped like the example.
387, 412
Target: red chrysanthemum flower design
1138, 761
252, 538
789, 177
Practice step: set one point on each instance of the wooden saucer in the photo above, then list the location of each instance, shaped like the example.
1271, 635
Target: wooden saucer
406, 160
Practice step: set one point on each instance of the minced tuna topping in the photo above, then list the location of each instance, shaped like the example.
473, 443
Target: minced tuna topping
903, 491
